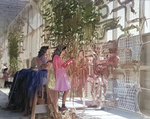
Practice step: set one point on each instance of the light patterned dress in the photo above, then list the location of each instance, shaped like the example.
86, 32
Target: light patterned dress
40, 61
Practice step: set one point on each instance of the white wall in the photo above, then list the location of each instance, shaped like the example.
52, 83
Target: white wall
4, 47
144, 96
32, 31
32, 35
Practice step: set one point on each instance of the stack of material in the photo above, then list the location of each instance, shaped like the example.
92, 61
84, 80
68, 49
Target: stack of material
26, 82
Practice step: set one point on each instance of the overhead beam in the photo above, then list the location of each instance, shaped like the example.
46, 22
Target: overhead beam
7, 5
25, 0
12, 6
15, 10
14, 3
5, 16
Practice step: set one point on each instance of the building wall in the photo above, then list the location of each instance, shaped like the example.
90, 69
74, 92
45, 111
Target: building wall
144, 95
4, 51
32, 40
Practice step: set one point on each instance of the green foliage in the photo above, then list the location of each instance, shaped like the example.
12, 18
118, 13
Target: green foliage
13, 50
70, 22
13, 64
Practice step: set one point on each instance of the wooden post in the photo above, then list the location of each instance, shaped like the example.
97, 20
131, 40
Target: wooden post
33, 106
49, 104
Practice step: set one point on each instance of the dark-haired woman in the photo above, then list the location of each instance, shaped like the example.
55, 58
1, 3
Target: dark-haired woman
41, 59
61, 82
42, 63
6, 75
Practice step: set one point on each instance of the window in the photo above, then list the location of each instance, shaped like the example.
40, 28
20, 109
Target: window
147, 15
110, 32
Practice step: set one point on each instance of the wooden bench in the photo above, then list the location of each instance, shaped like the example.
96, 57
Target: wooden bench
40, 105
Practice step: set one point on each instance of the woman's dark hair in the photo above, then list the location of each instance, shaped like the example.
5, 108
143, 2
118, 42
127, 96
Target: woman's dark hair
5, 70
42, 51
44, 48
58, 50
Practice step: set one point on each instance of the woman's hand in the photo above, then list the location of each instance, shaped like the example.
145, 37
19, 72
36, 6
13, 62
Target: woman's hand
67, 63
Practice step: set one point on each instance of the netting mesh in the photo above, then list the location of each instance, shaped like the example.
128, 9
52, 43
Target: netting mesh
126, 88
129, 49
122, 91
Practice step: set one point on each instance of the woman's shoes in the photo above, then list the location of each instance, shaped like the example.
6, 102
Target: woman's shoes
59, 108
63, 108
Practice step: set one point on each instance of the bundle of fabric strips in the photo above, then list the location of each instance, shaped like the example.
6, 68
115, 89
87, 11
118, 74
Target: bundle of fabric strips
26, 82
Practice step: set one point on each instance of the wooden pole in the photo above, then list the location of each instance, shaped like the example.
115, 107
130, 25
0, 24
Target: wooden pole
50, 104
33, 106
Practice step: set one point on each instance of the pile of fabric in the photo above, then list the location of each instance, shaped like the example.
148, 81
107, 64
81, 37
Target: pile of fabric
26, 82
